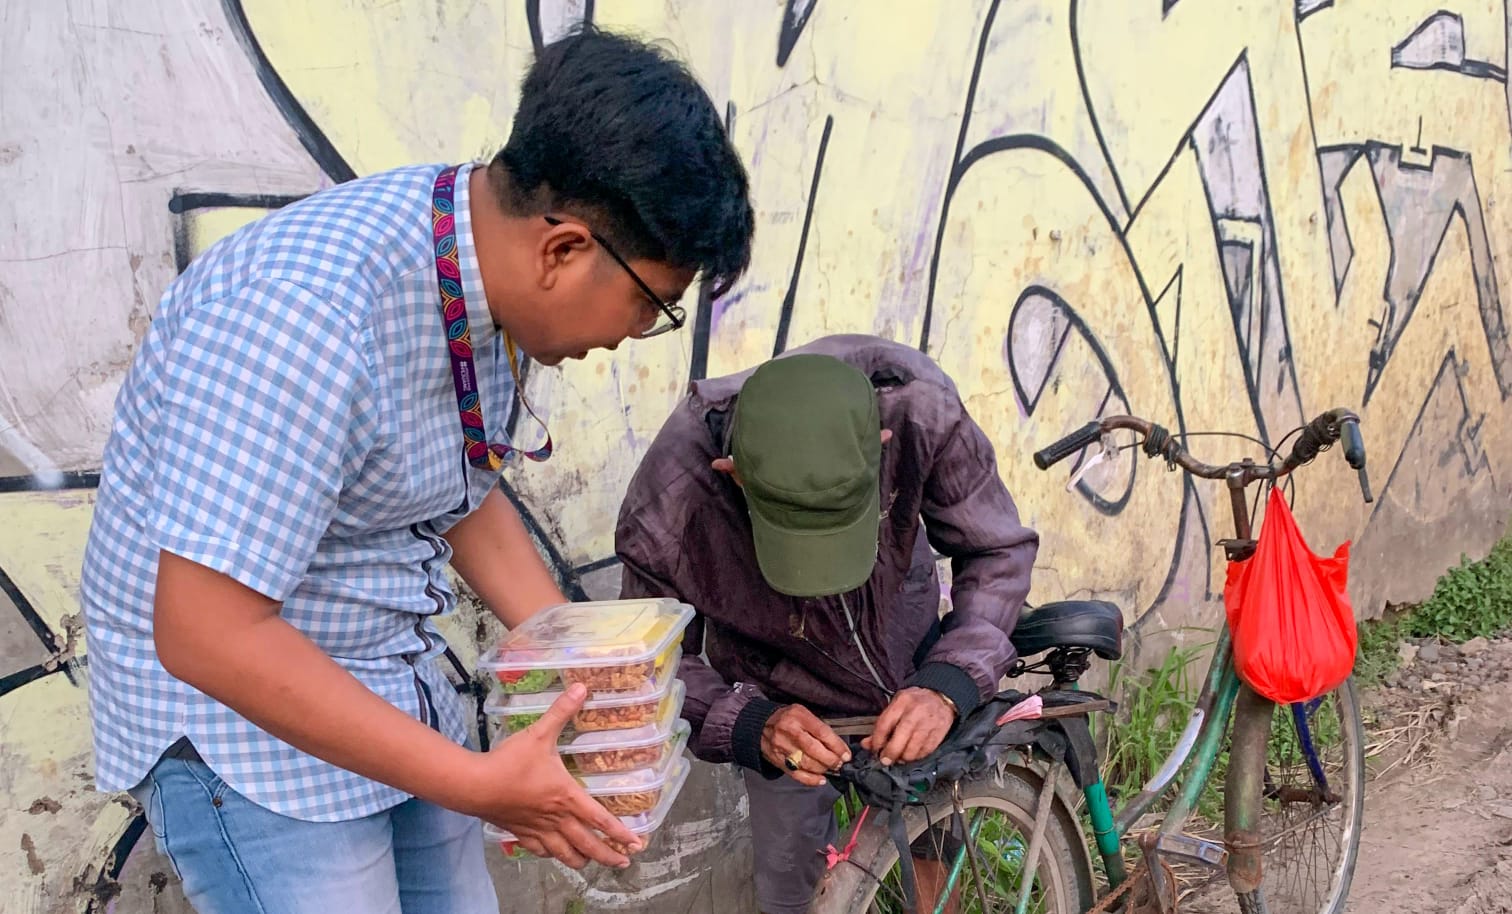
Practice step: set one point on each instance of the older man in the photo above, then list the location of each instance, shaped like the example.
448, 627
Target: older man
794, 506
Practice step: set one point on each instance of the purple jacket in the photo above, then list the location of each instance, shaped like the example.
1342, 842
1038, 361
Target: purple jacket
684, 532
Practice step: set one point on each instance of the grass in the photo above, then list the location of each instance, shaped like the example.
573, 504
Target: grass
1377, 657
1153, 708
1154, 705
1473, 599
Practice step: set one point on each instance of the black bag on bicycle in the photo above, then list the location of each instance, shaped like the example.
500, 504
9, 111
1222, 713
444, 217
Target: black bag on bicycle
973, 747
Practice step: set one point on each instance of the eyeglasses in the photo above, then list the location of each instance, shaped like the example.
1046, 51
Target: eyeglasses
672, 316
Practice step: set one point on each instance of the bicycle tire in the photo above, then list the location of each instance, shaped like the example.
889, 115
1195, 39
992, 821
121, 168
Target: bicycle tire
1333, 900
850, 887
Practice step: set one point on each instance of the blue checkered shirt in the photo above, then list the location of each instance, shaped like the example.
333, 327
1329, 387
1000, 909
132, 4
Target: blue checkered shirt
290, 422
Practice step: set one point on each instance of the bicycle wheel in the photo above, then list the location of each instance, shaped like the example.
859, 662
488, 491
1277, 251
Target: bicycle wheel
1314, 803
1312, 809
999, 820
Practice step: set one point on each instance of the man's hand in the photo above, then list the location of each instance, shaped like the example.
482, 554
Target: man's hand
522, 785
912, 726
795, 727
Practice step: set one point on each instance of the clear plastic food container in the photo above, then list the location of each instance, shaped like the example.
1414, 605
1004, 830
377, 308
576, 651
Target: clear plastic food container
640, 824
615, 751
608, 646
611, 711
637, 792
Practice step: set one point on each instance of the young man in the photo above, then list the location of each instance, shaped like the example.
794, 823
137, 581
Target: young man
794, 506
312, 430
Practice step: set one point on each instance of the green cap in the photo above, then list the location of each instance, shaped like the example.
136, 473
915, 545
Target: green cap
806, 439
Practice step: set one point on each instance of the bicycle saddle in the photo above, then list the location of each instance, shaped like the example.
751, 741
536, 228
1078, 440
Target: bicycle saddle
1093, 624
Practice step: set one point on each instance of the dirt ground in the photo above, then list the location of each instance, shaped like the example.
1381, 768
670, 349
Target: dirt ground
1438, 809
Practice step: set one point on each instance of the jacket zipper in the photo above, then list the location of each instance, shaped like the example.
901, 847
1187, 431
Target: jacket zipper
875, 679
850, 623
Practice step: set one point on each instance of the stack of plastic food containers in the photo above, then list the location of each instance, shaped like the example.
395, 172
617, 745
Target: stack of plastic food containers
625, 745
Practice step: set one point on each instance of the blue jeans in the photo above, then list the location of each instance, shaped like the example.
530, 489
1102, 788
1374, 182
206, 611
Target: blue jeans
235, 857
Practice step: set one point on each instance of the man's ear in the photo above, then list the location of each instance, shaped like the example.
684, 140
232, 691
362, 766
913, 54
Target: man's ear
726, 465
558, 246
886, 435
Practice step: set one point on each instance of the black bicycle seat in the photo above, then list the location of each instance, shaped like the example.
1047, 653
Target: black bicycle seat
1093, 624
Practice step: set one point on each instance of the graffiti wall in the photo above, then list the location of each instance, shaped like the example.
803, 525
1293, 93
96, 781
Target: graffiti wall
1224, 215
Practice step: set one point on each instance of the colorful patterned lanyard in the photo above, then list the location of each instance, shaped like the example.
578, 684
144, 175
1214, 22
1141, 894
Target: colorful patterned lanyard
480, 453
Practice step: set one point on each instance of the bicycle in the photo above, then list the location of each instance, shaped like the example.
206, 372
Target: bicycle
1014, 768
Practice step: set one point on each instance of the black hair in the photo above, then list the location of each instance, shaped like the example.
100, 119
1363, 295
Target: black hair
616, 130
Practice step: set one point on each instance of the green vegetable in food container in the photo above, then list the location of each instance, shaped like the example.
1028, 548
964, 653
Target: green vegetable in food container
517, 722
517, 682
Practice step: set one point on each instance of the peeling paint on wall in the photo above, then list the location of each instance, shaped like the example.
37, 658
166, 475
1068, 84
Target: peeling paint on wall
1224, 216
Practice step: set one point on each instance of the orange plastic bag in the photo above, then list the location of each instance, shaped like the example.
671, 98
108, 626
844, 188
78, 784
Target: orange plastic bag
1289, 615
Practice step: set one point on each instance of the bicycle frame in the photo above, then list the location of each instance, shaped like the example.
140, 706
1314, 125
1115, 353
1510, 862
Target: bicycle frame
1200, 746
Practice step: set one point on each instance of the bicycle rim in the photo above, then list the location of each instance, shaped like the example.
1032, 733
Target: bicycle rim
1001, 816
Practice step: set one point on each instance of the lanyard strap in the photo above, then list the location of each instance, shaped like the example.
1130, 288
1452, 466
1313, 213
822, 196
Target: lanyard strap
459, 347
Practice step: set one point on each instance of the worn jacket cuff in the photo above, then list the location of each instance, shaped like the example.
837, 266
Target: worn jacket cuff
952, 682
745, 737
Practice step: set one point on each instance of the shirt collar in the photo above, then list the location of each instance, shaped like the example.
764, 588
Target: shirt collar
478, 315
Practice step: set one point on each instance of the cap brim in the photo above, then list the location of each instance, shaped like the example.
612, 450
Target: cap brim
804, 563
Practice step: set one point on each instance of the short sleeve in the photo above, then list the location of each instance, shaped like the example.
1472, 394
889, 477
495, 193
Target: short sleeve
263, 396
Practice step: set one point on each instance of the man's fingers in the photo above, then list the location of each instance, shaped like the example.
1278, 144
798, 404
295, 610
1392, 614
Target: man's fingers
592, 846
808, 778
833, 742
883, 730
556, 846
555, 717
596, 816
816, 753
535, 847
893, 750
924, 741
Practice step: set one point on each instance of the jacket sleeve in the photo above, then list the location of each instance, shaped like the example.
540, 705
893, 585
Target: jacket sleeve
970, 518
726, 719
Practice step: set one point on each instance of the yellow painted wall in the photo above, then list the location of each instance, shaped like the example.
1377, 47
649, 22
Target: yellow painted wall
1220, 214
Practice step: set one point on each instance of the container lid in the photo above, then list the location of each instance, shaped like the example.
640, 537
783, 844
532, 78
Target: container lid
642, 824
636, 738
501, 705
636, 780
602, 633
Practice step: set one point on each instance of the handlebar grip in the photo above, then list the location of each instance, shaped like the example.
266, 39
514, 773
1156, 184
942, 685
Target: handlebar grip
1068, 445
1354, 444
1354, 454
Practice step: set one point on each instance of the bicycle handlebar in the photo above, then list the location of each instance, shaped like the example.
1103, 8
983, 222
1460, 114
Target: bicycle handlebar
1068, 445
1318, 435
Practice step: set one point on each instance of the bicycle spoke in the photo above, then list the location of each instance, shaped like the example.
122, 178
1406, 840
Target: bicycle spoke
989, 866
976, 874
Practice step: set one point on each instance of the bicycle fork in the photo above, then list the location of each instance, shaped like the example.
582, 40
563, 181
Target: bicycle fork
1244, 796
